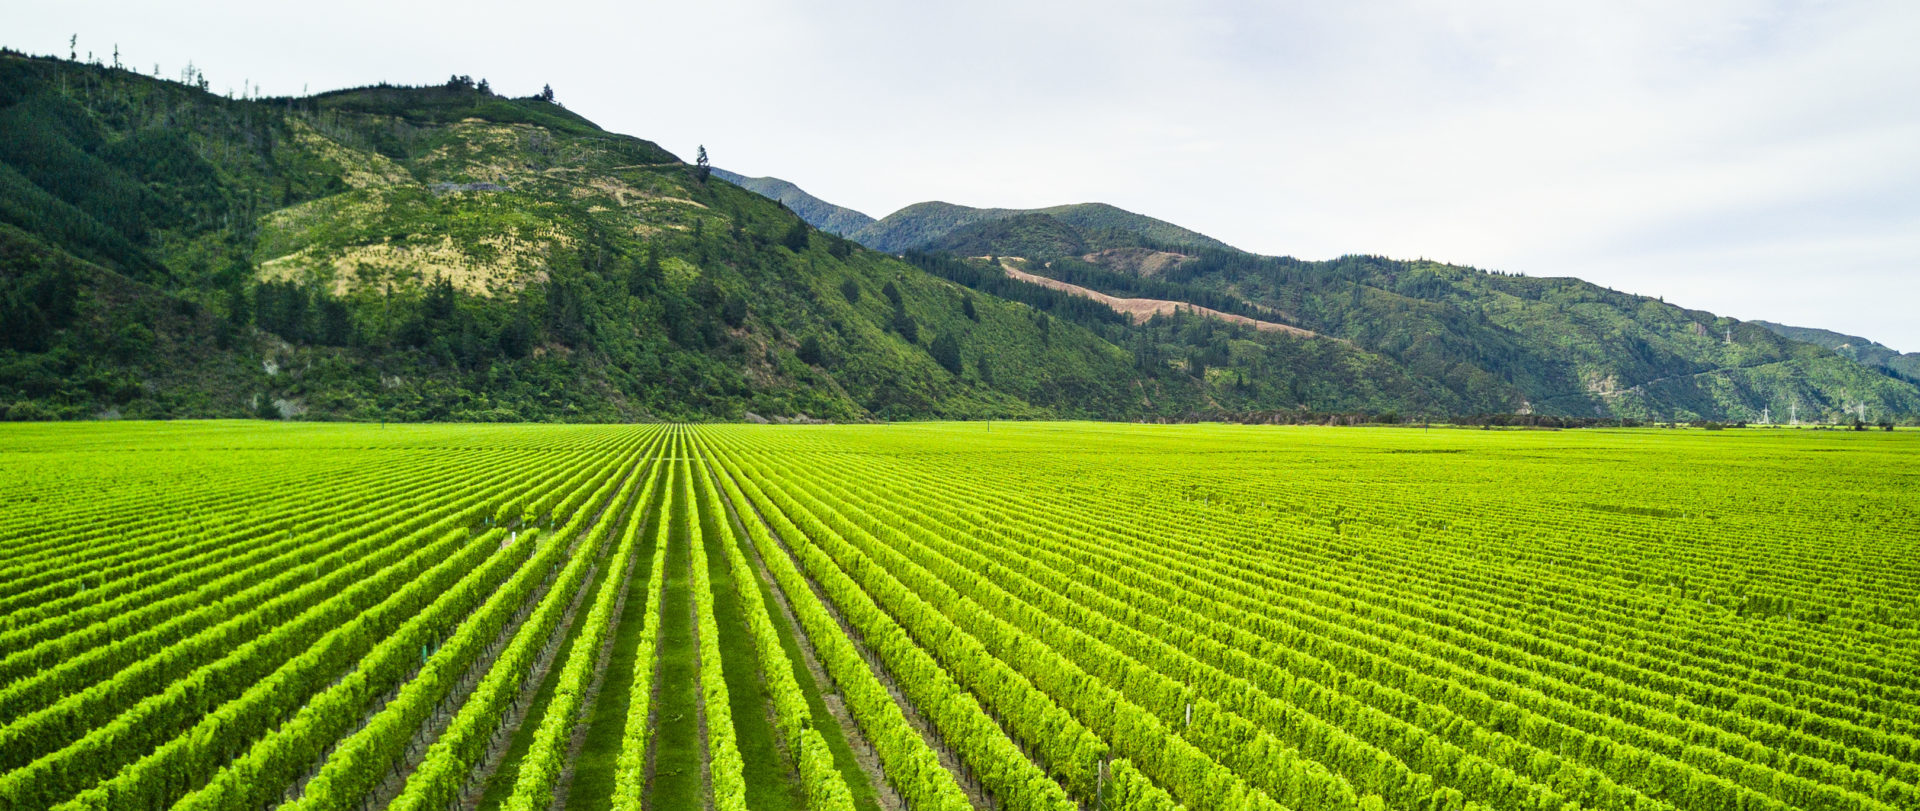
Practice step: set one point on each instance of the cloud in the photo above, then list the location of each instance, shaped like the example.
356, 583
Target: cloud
1750, 158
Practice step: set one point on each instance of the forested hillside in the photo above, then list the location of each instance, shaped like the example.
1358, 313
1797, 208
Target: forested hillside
445, 253
1493, 342
1569, 346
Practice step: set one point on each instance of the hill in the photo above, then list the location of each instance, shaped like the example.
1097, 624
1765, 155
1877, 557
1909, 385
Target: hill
817, 212
442, 253
1495, 342
1864, 350
1563, 345
1499, 342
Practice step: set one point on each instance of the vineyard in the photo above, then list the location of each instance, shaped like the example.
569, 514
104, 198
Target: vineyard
956, 616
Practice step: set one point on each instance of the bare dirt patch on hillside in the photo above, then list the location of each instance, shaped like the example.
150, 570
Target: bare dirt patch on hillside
1137, 261
1142, 309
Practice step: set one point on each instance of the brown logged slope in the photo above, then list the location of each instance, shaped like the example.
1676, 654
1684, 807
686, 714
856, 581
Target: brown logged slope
1141, 309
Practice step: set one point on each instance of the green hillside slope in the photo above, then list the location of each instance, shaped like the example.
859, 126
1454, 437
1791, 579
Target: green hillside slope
1494, 342
1571, 347
443, 253
440, 253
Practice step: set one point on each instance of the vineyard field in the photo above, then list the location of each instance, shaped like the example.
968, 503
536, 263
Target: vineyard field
948, 616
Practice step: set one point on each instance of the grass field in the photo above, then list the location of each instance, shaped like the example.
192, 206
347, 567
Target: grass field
956, 615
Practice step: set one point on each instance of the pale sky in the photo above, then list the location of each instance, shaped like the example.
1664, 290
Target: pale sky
1756, 159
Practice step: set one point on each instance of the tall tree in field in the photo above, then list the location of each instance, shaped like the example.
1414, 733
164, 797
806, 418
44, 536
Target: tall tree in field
701, 169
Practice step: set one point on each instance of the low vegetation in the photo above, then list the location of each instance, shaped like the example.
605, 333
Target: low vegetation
1028, 615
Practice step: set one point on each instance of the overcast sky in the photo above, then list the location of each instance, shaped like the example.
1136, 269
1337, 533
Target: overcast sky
1757, 159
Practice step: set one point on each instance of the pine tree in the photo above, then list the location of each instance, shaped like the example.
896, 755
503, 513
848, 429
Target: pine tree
646, 275
733, 309
811, 351
22, 325
796, 238
516, 338
336, 322
239, 309
946, 352
701, 168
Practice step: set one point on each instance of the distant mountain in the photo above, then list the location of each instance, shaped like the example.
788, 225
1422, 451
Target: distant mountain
817, 212
1090, 226
1866, 351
